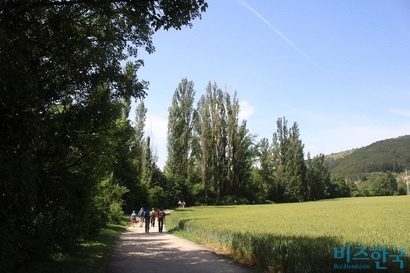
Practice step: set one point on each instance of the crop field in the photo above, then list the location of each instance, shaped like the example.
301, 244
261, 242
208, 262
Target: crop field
342, 235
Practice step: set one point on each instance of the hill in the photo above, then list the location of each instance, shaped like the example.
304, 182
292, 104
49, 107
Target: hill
382, 156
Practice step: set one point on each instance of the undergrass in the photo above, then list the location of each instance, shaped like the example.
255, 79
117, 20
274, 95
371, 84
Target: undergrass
89, 257
301, 237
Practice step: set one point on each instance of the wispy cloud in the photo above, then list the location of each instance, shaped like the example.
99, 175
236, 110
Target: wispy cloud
289, 42
156, 127
400, 113
246, 110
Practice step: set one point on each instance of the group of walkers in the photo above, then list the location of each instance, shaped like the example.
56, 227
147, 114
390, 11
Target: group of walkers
148, 218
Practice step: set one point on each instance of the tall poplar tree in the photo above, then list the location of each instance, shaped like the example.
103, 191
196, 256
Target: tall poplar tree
241, 184
180, 126
232, 113
203, 140
266, 166
280, 147
225, 147
295, 189
214, 97
290, 170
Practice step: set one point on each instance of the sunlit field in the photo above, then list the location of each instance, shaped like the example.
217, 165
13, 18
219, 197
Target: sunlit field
306, 237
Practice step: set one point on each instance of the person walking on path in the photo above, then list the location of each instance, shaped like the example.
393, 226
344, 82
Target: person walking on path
141, 216
133, 218
161, 219
153, 217
137, 252
147, 216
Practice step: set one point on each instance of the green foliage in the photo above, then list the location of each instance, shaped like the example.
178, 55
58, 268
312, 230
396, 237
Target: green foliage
222, 149
180, 126
157, 197
299, 237
90, 256
289, 176
319, 181
62, 91
339, 188
109, 200
379, 184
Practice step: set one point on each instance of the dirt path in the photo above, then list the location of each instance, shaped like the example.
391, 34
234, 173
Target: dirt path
156, 252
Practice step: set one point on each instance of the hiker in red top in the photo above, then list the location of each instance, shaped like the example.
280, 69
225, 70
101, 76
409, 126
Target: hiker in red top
161, 220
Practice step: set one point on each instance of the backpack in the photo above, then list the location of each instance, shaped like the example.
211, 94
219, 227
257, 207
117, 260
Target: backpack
147, 214
133, 216
161, 215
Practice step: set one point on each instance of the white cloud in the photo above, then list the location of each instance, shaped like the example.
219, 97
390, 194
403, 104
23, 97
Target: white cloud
156, 128
246, 110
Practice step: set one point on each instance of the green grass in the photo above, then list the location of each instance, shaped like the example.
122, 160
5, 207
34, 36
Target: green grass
300, 237
91, 256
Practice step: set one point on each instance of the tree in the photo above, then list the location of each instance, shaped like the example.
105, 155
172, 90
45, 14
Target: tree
381, 184
290, 170
391, 184
180, 126
280, 147
218, 140
295, 189
232, 112
203, 143
223, 148
318, 179
339, 188
241, 184
61, 83
266, 167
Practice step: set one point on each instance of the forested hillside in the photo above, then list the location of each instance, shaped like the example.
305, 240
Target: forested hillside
390, 155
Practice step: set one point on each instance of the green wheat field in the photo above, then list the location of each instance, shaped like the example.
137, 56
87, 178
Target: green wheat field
306, 237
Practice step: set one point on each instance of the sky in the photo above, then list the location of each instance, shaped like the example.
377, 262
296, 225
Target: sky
340, 69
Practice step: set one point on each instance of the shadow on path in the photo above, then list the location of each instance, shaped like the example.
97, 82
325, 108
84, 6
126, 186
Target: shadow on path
162, 252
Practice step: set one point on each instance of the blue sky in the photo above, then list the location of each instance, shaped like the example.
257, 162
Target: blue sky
340, 68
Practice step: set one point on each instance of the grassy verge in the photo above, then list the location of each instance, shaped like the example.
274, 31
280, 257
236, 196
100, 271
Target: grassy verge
90, 256
302, 237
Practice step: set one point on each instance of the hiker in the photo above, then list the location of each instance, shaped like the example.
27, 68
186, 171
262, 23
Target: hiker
141, 216
147, 216
133, 218
161, 219
153, 217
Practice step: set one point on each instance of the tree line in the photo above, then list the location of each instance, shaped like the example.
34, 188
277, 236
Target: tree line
213, 158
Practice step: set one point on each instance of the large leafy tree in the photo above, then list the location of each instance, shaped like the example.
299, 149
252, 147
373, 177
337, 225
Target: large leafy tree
61, 84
